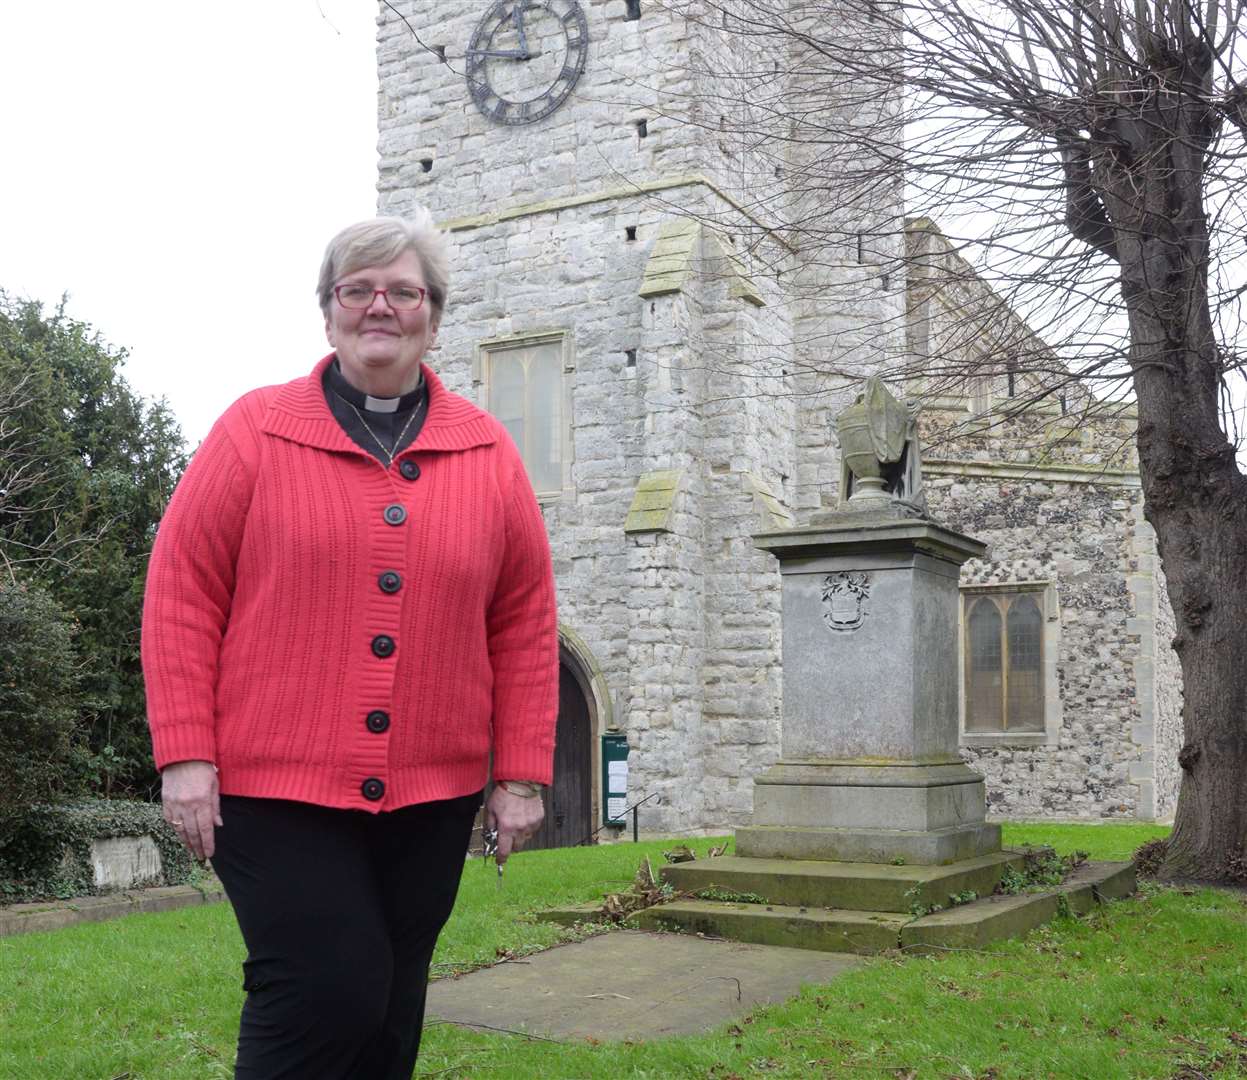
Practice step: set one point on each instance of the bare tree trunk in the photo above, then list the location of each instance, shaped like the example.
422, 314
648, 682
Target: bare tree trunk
1194, 496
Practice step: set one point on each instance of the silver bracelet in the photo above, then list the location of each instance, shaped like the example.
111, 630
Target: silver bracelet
530, 789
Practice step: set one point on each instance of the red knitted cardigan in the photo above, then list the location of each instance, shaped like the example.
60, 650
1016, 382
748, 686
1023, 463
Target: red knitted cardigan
264, 608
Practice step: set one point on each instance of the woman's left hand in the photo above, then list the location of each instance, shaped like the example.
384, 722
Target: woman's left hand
515, 817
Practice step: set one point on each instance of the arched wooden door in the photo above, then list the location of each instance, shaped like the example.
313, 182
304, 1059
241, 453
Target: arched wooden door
569, 800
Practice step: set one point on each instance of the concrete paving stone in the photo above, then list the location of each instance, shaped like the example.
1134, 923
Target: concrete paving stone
101, 908
165, 898
1112, 881
211, 891
1093, 883
1080, 896
573, 913
32, 907
629, 984
33, 921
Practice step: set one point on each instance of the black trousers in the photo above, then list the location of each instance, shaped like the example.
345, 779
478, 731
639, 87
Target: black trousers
340, 911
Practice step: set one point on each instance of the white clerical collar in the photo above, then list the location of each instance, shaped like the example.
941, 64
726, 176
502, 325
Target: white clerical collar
381, 404
337, 382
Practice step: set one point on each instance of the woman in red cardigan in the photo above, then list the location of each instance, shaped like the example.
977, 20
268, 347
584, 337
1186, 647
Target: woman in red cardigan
349, 611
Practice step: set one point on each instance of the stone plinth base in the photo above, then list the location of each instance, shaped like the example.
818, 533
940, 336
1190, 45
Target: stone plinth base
926, 814
936, 847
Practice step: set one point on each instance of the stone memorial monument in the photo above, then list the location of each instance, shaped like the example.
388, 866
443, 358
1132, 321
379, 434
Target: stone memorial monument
869, 833
870, 770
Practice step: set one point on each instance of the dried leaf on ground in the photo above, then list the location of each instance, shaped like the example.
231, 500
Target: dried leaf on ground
646, 891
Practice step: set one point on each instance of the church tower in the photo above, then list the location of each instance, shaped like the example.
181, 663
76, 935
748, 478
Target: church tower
621, 300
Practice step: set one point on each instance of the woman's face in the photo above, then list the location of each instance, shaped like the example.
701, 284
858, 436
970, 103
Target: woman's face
380, 349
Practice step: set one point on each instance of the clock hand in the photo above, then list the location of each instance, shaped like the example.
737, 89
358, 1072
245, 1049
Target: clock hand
506, 54
518, 15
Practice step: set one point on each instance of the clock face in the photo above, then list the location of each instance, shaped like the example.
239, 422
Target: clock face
525, 57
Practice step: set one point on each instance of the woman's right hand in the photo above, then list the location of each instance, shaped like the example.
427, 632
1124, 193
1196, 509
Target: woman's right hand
192, 804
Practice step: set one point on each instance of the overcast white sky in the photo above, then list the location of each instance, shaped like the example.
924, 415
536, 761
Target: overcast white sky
155, 153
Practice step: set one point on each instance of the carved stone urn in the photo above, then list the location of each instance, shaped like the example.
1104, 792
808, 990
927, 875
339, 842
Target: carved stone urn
872, 433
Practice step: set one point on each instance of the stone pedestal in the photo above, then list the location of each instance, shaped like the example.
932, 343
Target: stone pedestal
870, 770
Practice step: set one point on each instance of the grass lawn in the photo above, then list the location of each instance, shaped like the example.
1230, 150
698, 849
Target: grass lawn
1155, 986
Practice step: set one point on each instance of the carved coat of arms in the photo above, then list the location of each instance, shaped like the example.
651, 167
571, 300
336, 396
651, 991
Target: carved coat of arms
844, 600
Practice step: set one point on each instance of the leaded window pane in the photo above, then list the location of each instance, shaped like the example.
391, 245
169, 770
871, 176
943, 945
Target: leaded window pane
1024, 709
544, 456
506, 394
984, 677
526, 394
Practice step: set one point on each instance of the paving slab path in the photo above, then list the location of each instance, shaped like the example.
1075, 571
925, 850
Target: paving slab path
629, 984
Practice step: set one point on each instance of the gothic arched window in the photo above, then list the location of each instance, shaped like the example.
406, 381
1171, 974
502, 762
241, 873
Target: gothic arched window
1004, 662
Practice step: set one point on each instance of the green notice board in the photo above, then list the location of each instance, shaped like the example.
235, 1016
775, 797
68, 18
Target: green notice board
614, 778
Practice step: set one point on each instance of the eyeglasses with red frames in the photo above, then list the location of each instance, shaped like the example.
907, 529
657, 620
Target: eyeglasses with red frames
400, 298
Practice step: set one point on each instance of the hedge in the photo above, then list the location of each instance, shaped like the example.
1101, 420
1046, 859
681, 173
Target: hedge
38, 704
48, 855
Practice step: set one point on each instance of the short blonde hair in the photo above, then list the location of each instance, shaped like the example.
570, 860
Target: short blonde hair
381, 241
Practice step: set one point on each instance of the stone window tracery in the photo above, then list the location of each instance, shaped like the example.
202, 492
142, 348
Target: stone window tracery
1004, 662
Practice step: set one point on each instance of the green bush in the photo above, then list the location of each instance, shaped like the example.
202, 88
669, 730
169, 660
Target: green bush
48, 854
86, 468
38, 715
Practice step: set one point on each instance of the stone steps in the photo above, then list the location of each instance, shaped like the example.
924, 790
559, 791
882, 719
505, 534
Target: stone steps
864, 932
830, 929
843, 885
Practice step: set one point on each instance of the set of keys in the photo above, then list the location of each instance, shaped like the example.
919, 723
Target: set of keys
489, 844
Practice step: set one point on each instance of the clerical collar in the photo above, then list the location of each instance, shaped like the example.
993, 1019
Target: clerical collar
338, 384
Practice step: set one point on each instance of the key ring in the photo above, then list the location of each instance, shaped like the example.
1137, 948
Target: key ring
489, 846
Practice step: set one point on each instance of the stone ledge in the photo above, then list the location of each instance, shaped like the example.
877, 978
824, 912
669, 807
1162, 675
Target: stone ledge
853, 886
975, 925
861, 932
940, 847
1002, 470
612, 194
41, 916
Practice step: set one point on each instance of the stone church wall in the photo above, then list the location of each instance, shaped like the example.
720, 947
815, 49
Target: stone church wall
1077, 535
683, 381
688, 643
726, 378
748, 473
1167, 698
